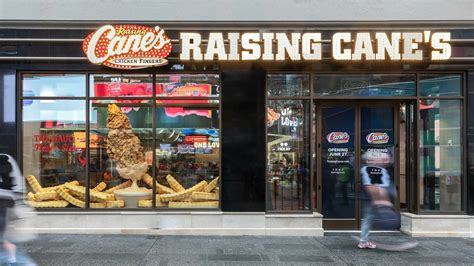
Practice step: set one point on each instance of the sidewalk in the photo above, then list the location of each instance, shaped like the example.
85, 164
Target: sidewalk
334, 248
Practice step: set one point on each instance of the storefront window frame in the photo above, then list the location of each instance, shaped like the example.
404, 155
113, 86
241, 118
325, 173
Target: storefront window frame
463, 139
311, 137
412, 183
88, 99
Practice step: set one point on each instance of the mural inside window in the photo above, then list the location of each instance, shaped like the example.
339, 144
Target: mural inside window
122, 152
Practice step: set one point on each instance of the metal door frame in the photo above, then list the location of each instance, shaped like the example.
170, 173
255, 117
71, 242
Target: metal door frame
353, 223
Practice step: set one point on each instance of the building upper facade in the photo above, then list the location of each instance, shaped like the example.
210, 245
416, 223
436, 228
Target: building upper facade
232, 11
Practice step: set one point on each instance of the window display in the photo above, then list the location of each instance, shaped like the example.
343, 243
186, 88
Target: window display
125, 122
188, 140
119, 142
54, 148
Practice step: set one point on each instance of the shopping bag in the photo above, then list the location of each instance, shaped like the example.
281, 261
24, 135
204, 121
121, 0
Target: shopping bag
386, 217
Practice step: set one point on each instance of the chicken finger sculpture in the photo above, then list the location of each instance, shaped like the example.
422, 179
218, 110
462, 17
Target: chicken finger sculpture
124, 147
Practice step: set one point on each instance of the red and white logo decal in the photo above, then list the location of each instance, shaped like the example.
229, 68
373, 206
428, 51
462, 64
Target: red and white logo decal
127, 46
377, 138
338, 137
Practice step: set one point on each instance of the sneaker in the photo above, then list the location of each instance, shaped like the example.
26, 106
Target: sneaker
366, 244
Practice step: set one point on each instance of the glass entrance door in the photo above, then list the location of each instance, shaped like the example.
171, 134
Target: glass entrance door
357, 144
338, 146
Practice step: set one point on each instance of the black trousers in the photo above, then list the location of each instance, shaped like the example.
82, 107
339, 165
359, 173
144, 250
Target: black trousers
4, 205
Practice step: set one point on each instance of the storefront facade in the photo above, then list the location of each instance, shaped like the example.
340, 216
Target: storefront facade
280, 118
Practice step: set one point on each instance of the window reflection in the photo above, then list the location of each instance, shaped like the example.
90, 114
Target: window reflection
364, 85
440, 85
54, 147
440, 155
113, 85
53, 85
287, 85
188, 85
288, 174
188, 150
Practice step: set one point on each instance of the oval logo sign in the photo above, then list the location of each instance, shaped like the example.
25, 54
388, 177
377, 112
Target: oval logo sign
127, 46
377, 138
338, 137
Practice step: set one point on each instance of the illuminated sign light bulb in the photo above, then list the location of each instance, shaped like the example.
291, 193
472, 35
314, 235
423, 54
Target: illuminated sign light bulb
337, 41
190, 42
250, 46
363, 46
233, 46
215, 46
392, 46
268, 46
284, 44
410, 46
311, 46
442, 48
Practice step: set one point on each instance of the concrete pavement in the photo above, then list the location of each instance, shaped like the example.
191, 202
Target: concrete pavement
334, 248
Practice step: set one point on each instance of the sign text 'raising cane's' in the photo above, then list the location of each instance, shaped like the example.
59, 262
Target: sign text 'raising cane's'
127, 46
135, 46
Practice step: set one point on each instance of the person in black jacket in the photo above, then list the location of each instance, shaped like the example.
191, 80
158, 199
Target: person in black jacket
6, 201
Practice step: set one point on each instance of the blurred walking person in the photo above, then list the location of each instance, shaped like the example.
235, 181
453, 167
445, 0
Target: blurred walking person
12, 209
376, 184
7, 200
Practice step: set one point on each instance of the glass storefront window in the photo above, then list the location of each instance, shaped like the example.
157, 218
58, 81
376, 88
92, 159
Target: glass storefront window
54, 148
54, 85
122, 137
287, 85
188, 85
113, 85
440, 160
364, 85
121, 150
288, 160
440, 85
188, 151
